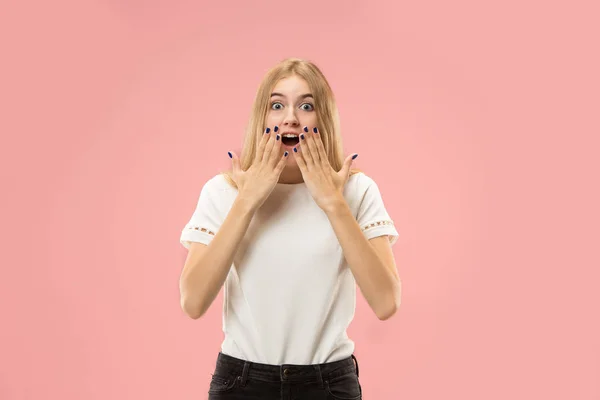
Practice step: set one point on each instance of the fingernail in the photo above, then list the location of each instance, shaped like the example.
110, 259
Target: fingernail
276, 129
230, 156
354, 156
315, 129
277, 137
295, 150
285, 154
305, 129
302, 136
268, 130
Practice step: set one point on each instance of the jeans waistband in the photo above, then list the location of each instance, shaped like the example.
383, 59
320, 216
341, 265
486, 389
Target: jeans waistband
235, 368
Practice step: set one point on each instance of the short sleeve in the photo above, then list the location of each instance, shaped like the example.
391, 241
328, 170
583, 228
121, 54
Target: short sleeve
373, 218
206, 218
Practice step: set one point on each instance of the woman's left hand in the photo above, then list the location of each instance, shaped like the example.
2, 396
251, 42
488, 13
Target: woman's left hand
324, 183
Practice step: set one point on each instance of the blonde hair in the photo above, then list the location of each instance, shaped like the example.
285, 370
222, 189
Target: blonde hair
327, 112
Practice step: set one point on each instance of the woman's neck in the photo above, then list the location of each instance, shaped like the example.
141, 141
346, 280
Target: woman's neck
291, 176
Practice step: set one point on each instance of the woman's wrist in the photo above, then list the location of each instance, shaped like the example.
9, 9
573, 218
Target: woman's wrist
245, 204
334, 204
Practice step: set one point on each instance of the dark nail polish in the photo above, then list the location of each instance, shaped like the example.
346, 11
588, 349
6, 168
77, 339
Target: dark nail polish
230, 156
302, 136
315, 129
276, 129
268, 130
305, 129
285, 154
354, 156
277, 137
295, 150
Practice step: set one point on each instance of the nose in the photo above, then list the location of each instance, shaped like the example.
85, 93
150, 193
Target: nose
290, 118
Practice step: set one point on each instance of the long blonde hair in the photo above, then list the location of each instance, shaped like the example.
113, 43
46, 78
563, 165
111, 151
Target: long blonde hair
325, 106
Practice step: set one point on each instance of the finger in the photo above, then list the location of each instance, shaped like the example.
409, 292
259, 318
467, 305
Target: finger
320, 147
235, 162
281, 164
276, 150
345, 171
269, 145
299, 156
261, 146
306, 153
312, 145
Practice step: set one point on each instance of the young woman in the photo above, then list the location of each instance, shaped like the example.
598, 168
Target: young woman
289, 231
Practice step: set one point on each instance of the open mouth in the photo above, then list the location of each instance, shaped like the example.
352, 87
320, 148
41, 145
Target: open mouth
290, 140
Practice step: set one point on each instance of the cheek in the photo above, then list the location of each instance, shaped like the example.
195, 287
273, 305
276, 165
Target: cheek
310, 120
271, 119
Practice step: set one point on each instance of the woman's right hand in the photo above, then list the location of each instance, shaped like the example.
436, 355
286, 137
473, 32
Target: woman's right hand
257, 182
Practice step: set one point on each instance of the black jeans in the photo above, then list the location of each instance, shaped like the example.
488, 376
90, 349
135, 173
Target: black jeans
236, 379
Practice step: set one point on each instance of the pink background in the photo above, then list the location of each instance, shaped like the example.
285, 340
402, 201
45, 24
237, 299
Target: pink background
479, 121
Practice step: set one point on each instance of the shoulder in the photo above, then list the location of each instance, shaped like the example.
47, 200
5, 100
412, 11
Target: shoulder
218, 184
359, 182
356, 189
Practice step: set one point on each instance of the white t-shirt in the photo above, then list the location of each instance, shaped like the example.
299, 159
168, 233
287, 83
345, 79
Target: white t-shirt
289, 295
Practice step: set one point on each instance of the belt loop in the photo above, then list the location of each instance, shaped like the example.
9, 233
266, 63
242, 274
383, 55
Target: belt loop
244, 376
319, 376
356, 363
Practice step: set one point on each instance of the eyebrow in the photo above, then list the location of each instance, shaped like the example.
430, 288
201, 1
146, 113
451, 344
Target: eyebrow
301, 96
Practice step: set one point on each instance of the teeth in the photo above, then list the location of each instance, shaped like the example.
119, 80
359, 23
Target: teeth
289, 135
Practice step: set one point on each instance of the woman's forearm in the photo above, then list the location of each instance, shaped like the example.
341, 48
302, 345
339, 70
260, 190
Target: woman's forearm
206, 267
377, 281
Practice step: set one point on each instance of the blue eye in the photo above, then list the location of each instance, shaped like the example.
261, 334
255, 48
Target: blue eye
278, 106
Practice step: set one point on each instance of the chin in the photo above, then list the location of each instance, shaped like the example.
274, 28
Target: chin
291, 161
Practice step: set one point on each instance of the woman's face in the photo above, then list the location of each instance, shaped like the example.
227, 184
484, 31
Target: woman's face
291, 108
